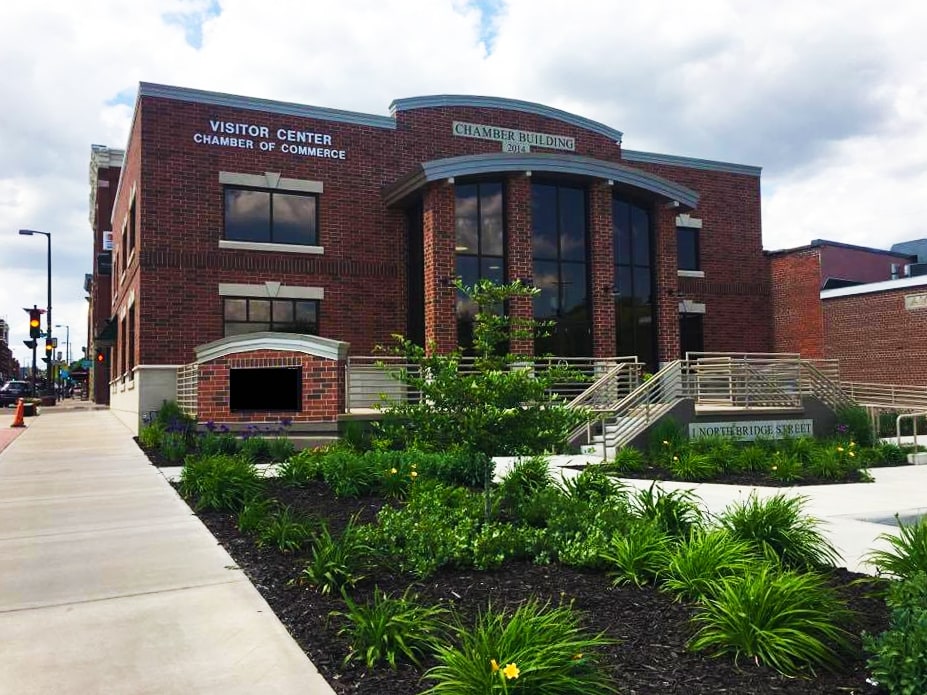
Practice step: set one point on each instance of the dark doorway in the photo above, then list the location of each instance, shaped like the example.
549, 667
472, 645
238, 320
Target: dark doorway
691, 334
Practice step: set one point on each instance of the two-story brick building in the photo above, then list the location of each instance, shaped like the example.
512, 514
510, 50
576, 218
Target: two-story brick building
263, 240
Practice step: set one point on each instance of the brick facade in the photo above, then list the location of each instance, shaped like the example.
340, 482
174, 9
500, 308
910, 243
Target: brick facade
797, 317
172, 275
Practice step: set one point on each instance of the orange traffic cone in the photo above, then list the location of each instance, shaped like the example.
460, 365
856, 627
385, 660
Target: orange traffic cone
18, 417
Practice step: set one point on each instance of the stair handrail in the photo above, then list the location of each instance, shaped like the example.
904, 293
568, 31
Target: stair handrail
823, 387
633, 369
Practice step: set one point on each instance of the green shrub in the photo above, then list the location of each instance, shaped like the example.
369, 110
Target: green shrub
149, 436
639, 555
579, 531
785, 468
286, 530
627, 460
676, 512
802, 449
688, 464
255, 448
279, 449
255, 513
695, 565
536, 649
753, 457
172, 417
208, 443
907, 551
495, 543
898, 660
174, 447
778, 526
301, 468
336, 564
666, 438
349, 474
456, 467
220, 482
527, 478
592, 484
389, 629
853, 423
789, 621
890, 454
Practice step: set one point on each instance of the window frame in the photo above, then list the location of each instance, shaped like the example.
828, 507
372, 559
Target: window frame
270, 322
696, 243
271, 193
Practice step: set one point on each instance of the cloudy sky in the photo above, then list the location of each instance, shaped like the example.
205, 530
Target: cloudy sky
828, 96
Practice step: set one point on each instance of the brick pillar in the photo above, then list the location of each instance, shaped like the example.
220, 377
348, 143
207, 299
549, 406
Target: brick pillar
666, 291
439, 235
601, 269
520, 260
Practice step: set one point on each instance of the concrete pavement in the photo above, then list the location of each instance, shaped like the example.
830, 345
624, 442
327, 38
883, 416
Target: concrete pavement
108, 583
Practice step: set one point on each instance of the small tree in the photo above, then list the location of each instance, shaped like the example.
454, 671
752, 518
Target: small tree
502, 406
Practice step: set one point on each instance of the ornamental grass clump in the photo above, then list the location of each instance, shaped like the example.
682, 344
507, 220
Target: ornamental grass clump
535, 649
627, 460
337, 564
675, 511
220, 482
639, 555
301, 468
695, 566
286, 530
392, 630
906, 552
688, 464
789, 621
777, 527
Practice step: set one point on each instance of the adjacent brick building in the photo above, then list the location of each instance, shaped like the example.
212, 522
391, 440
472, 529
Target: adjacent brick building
237, 217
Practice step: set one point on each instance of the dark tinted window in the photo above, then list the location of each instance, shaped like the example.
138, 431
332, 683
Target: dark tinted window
243, 315
687, 250
634, 312
264, 216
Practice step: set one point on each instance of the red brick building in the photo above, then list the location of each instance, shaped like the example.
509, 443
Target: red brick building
237, 219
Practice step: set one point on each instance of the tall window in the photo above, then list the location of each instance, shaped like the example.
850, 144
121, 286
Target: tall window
246, 315
634, 314
130, 340
691, 334
687, 248
271, 217
558, 220
130, 239
480, 246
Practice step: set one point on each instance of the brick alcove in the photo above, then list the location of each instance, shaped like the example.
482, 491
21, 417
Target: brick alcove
322, 379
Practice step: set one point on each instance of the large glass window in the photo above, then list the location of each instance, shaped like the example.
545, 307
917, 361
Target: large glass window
634, 314
271, 217
480, 246
687, 251
559, 248
247, 315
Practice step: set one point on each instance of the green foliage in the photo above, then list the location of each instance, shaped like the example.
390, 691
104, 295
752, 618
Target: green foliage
279, 449
208, 443
301, 468
255, 513
255, 448
785, 468
695, 565
789, 621
687, 464
527, 478
627, 460
675, 512
854, 423
172, 417
436, 527
592, 484
722, 453
497, 407
753, 457
174, 446
149, 436
536, 649
356, 436
349, 474
889, 454
458, 466
390, 629
898, 660
286, 530
639, 555
906, 554
777, 525
579, 531
495, 543
336, 564
220, 482
666, 438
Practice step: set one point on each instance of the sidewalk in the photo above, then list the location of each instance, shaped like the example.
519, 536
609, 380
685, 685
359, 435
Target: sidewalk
109, 584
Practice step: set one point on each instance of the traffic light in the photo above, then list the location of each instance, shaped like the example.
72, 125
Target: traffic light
49, 346
35, 321
101, 357
31, 344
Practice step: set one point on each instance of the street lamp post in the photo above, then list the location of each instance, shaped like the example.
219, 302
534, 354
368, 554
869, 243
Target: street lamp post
48, 312
67, 355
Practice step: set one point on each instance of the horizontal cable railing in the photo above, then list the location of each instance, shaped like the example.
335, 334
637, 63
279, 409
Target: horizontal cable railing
187, 379
743, 380
890, 396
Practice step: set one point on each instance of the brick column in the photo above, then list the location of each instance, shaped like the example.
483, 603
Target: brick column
438, 238
666, 295
601, 269
520, 260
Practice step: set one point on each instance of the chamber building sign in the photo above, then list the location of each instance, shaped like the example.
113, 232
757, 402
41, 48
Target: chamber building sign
755, 429
249, 136
513, 140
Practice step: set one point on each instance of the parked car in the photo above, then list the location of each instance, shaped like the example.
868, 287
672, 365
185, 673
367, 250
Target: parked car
12, 391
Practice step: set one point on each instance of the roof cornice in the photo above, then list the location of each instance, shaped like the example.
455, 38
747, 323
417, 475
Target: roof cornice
690, 162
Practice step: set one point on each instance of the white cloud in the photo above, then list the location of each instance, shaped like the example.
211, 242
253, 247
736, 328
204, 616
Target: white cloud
828, 97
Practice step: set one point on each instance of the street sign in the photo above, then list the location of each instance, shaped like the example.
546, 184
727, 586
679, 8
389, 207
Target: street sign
85, 364
65, 373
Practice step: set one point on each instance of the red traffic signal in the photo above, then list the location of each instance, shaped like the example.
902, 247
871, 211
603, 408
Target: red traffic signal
101, 357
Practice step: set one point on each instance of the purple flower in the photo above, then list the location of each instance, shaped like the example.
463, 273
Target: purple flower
842, 429
210, 425
286, 421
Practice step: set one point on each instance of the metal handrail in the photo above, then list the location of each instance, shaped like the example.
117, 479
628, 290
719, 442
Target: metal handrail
893, 396
914, 417
630, 371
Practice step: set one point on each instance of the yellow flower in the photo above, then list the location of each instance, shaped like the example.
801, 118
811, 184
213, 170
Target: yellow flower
775, 468
852, 443
494, 665
413, 474
852, 454
665, 443
675, 458
393, 471
577, 657
511, 671
840, 448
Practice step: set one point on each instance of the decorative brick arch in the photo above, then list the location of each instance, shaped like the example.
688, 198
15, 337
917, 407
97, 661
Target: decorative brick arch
322, 361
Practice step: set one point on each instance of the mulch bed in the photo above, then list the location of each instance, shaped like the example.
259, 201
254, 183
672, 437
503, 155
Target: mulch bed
651, 629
